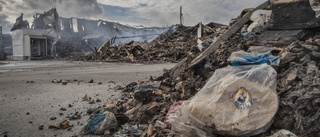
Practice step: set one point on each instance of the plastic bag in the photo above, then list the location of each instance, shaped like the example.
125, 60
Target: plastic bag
172, 112
100, 123
237, 100
260, 18
258, 55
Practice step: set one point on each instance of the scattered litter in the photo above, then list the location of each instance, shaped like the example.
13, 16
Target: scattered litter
91, 102
85, 98
41, 127
53, 118
90, 81
56, 81
74, 116
63, 109
65, 82
32, 82
63, 125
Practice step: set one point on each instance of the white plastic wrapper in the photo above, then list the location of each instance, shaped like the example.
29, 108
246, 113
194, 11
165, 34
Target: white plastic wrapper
260, 18
237, 100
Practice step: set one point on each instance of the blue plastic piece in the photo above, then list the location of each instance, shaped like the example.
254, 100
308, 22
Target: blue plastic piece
245, 35
265, 58
96, 121
145, 91
100, 122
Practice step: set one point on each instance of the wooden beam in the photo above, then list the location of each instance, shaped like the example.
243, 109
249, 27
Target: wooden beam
199, 30
214, 46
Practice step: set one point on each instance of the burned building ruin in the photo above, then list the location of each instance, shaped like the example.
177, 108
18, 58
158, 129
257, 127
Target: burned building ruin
71, 37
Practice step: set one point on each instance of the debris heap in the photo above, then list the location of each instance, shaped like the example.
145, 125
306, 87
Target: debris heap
145, 105
171, 46
299, 88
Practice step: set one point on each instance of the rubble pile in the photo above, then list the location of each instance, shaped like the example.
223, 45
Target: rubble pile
299, 88
193, 79
118, 53
145, 106
69, 49
171, 46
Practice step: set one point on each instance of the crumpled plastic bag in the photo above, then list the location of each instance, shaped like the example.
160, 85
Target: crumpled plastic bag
258, 55
260, 19
236, 101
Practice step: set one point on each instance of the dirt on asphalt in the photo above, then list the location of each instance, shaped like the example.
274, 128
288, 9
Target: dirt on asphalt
29, 99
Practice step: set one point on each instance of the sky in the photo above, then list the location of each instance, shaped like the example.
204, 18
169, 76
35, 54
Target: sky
133, 12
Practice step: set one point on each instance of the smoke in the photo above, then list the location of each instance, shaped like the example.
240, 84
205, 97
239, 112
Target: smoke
166, 12
11, 9
144, 12
4, 23
79, 8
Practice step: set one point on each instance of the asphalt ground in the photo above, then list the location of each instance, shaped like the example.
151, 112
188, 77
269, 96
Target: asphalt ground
29, 99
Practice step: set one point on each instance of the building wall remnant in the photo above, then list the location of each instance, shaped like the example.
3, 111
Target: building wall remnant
77, 35
31, 44
20, 23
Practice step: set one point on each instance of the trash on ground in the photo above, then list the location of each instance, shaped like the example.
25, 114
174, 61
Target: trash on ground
99, 123
63, 125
